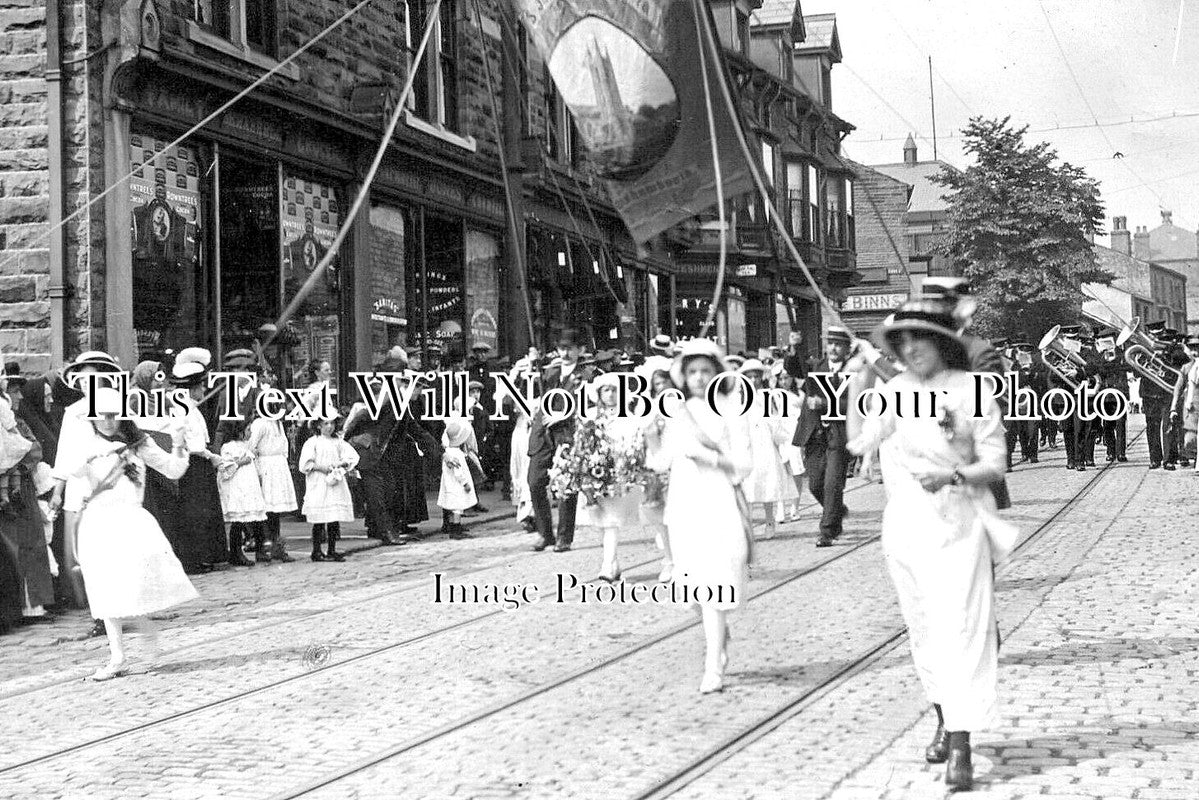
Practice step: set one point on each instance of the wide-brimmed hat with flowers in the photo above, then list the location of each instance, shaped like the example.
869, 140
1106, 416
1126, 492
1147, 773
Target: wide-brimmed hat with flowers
695, 348
929, 316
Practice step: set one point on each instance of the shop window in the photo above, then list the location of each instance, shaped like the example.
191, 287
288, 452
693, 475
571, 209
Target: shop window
310, 216
169, 196
435, 88
391, 246
436, 308
482, 283
563, 142
249, 237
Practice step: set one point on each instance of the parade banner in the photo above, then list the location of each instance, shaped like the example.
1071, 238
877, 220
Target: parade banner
629, 70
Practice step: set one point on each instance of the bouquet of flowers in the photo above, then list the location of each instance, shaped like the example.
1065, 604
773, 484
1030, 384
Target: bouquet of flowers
594, 466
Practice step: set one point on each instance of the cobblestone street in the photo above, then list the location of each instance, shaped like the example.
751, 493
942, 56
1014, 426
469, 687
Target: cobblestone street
349, 681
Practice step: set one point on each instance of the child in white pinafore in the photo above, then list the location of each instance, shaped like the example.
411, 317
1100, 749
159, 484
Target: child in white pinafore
324, 461
242, 502
268, 443
457, 492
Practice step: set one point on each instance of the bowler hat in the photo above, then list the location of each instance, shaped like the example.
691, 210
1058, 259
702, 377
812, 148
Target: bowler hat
12, 371
661, 343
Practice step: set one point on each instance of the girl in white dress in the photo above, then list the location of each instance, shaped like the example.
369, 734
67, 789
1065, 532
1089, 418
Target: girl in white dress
770, 482
268, 443
518, 465
792, 456
457, 491
241, 493
656, 371
127, 564
940, 533
706, 454
324, 461
611, 514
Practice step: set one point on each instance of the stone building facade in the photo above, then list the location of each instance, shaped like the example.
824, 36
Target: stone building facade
203, 241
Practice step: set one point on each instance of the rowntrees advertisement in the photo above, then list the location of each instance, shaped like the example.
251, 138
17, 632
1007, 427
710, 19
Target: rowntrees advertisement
628, 70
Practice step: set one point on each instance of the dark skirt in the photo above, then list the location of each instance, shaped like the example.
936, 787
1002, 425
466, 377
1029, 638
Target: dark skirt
411, 503
201, 526
24, 538
162, 501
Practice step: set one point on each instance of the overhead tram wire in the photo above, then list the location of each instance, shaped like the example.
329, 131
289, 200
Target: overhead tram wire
518, 242
198, 126
1176, 115
1082, 95
401, 103
701, 21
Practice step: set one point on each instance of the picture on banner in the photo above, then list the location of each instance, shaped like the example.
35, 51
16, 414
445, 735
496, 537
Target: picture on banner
166, 201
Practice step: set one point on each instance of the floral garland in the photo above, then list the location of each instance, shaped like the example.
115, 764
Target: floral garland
595, 466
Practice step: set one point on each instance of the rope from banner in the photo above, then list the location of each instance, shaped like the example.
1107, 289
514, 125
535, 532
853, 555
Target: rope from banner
517, 233
202, 123
708, 41
351, 215
701, 22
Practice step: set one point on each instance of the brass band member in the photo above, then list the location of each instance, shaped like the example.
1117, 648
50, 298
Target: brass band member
1033, 374
1113, 374
1155, 402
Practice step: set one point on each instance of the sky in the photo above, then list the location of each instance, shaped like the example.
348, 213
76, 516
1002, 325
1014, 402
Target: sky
999, 58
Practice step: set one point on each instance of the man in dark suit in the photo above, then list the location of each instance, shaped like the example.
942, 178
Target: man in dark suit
1113, 374
569, 351
545, 438
824, 441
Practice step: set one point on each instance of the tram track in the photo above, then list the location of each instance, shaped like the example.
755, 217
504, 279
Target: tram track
870, 656
323, 669
690, 772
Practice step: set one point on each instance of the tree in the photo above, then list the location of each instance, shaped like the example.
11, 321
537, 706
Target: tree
1018, 231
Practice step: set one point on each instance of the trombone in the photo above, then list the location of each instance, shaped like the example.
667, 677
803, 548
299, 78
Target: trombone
1141, 357
1062, 361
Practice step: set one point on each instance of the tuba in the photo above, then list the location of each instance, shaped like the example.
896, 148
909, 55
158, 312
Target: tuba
1062, 361
1139, 355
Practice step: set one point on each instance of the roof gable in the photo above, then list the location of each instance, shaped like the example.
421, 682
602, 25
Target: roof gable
780, 13
822, 37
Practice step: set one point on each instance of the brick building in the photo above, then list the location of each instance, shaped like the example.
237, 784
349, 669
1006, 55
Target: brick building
1141, 288
1170, 246
213, 237
781, 63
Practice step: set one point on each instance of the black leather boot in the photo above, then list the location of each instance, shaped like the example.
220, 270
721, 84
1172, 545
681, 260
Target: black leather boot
959, 771
938, 750
237, 543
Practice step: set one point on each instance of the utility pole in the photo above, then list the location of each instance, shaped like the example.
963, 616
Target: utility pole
932, 102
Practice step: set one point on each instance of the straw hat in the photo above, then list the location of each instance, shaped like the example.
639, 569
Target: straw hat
97, 359
752, 365
457, 432
925, 316
695, 348
188, 374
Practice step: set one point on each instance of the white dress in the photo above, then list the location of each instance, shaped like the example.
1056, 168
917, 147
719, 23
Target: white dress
770, 479
241, 493
268, 442
707, 538
937, 545
623, 510
518, 467
129, 569
457, 490
327, 494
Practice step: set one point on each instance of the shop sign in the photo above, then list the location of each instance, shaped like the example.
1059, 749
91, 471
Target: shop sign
387, 310
483, 328
747, 271
874, 302
166, 102
252, 128
316, 151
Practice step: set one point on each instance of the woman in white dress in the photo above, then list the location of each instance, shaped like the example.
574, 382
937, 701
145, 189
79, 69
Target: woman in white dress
770, 482
611, 514
707, 455
940, 534
127, 564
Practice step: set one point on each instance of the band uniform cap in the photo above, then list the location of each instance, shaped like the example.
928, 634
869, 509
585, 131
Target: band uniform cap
433, 347
1156, 326
197, 355
999, 344
97, 359
752, 365
692, 348
945, 284
1169, 332
1192, 341
836, 333
1023, 347
661, 343
187, 374
923, 316
1071, 330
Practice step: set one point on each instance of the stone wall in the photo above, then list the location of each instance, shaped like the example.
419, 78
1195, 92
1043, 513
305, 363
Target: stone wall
880, 205
24, 186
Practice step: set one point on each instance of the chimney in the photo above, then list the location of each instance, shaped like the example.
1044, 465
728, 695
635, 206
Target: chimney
1167, 217
1121, 238
1140, 243
909, 150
